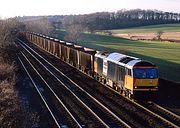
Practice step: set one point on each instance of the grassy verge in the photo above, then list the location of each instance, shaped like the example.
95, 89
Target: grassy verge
165, 55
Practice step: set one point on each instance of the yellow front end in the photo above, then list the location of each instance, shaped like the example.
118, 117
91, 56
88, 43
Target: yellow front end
145, 84
135, 84
145, 89
142, 88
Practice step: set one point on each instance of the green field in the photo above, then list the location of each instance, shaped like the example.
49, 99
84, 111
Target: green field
152, 28
165, 55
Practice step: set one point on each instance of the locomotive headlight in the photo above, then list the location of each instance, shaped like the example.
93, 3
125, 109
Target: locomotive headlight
135, 86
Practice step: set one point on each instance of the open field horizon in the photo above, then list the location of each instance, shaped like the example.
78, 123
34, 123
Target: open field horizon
170, 32
149, 28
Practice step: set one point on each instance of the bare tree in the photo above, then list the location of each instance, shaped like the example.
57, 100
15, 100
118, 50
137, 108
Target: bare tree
159, 34
39, 26
73, 32
10, 29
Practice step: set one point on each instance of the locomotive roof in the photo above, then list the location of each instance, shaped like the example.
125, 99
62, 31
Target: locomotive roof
140, 62
120, 59
132, 63
115, 56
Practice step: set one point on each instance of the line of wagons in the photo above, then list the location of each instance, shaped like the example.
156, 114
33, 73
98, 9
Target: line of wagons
130, 76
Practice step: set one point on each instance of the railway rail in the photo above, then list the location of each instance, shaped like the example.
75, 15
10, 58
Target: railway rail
97, 121
59, 122
93, 105
158, 119
163, 112
167, 117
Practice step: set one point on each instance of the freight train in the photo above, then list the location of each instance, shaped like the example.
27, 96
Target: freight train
130, 76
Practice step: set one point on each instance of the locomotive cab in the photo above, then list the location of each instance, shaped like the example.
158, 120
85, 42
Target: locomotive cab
144, 78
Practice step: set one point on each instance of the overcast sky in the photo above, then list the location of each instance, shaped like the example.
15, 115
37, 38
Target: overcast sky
11, 8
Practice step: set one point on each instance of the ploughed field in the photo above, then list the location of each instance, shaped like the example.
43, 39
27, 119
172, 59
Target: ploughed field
166, 36
164, 54
170, 32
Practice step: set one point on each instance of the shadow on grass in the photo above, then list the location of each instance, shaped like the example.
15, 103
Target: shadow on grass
167, 70
168, 95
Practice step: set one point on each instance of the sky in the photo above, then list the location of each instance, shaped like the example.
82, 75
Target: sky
11, 8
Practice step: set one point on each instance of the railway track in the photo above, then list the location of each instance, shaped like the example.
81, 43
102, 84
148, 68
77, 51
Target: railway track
96, 122
166, 117
163, 112
124, 105
59, 113
101, 114
47, 100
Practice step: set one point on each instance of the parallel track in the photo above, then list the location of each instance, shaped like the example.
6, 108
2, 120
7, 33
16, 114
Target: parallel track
164, 122
98, 109
168, 118
59, 122
163, 112
48, 83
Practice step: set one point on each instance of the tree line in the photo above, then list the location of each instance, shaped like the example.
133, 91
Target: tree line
122, 19
75, 24
9, 30
111, 20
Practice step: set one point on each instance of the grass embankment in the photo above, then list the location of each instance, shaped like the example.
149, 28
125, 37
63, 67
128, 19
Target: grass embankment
165, 55
151, 28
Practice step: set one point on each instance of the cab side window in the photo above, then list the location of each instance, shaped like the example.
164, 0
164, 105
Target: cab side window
128, 72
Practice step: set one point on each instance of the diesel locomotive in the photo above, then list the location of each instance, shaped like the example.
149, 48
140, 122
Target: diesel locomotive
130, 76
